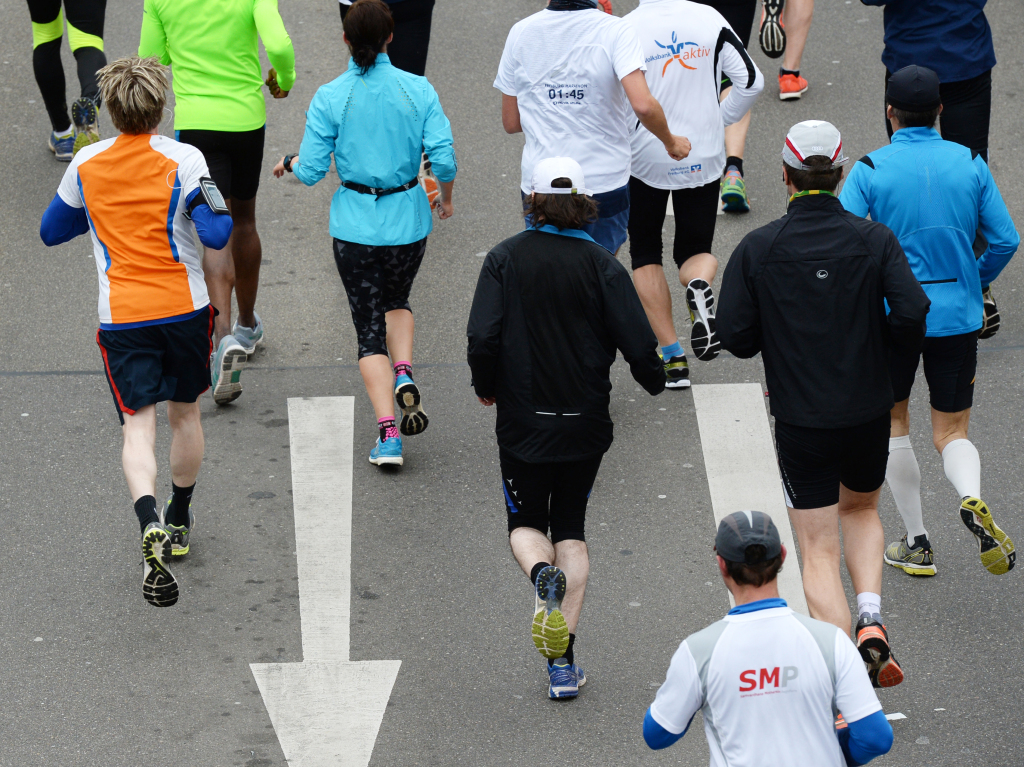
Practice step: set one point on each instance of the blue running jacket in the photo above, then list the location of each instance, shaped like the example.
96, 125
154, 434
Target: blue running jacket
935, 196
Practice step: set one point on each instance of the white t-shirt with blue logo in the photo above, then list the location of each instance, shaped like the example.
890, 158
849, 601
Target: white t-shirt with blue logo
687, 48
768, 682
565, 69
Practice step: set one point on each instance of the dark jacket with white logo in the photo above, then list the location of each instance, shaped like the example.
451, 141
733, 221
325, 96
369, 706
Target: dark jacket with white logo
808, 291
549, 313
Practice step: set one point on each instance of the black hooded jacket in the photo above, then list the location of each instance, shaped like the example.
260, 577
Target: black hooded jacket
808, 291
548, 314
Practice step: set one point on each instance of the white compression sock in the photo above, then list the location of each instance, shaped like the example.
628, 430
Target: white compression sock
962, 463
904, 478
869, 603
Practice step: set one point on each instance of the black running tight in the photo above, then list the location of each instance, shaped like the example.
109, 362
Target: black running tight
85, 35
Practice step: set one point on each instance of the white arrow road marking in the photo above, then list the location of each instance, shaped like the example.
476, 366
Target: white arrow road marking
743, 471
326, 710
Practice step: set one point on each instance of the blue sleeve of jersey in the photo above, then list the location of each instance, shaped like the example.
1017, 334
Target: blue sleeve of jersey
214, 229
318, 142
854, 195
62, 223
657, 737
865, 739
997, 226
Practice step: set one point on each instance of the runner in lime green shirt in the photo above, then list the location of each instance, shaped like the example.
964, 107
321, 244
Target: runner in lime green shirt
213, 49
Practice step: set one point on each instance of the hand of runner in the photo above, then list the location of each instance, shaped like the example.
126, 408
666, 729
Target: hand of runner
486, 401
678, 148
275, 89
279, 169
444, 209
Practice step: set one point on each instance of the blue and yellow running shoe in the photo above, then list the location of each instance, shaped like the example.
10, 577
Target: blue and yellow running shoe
550, 632
414, 417
63, 147
734, 192
179, 533
995, 547
158, 584
565, 678
84, 116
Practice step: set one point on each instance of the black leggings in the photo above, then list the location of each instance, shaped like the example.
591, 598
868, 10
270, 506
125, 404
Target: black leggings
966, 112
85, 34
408, 50
378, 279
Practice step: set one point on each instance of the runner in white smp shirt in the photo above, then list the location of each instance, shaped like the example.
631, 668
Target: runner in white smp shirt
569, 75
688, 48
770, 682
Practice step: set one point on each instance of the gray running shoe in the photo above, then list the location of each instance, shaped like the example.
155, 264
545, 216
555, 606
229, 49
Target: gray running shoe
226, 370
158, 584
913, 560
179, 533
248, 338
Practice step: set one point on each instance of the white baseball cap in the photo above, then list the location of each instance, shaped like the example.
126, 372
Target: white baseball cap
813, 138
548, 170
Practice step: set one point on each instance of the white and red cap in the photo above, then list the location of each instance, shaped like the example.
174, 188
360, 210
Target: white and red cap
813, 138
553, 168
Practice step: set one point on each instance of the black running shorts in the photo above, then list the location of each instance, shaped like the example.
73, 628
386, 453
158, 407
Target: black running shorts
950, 363
696, 211
378, 280
543, 495
235, 159
155, 363
814, 461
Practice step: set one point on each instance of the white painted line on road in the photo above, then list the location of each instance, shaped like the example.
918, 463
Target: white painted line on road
743, 472
896, 716
326, 710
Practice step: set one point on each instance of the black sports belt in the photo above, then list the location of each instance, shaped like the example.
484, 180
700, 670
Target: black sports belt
364, 189
571, 5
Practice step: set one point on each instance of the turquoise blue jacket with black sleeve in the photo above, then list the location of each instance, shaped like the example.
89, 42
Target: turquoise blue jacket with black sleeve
377, 124
935, 196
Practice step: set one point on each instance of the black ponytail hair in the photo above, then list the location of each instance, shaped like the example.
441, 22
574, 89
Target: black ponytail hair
368, 25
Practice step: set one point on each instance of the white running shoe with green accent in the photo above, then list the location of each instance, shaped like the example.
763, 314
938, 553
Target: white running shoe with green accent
249, 338
226, 366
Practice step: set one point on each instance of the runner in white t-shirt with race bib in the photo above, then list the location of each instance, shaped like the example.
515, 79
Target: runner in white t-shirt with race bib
570, 75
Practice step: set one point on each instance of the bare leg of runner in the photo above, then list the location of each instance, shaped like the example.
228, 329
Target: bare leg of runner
138, 456
797, 17
652, 287
863, 539
379, 378
187, 443
736, 135
400, 329
247, 255
702, 266
530, 546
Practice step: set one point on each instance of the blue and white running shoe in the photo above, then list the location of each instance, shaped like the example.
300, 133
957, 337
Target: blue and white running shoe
387, 452
248, 338
62, 148
566, 679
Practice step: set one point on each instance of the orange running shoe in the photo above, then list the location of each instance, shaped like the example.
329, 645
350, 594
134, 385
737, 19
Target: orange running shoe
791, 86
873, 644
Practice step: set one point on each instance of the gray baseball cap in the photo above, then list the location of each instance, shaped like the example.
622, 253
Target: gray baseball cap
742, 529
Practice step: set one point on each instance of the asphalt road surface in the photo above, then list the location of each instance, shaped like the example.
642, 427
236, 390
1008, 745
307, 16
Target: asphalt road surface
92, 675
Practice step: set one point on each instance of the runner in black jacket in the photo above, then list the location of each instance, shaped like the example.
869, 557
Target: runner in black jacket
550, 310
807, 292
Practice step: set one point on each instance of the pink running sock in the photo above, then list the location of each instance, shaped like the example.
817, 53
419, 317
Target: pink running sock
387, 428
403, 367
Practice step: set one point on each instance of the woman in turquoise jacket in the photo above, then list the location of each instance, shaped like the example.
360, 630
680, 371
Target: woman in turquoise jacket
377, 121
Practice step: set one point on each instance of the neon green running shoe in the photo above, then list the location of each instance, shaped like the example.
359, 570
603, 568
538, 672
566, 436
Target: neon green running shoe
178, 533
734, 192
550, 632
158, 584
995, 547
913, 560
86, 120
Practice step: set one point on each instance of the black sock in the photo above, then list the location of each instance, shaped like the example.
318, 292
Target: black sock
145, 510
734, 162
384, 426
177, 512
569, 654
794, 72
536, 569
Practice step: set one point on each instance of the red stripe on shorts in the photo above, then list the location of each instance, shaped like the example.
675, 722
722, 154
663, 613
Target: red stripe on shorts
110, 377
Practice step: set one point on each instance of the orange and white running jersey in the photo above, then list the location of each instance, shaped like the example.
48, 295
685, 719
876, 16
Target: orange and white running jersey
134, 191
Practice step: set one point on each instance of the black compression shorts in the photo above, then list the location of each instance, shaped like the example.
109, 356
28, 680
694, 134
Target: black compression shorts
814, 461
696, 211
378, 280
156, 363
950, 363
543, 495
235, 159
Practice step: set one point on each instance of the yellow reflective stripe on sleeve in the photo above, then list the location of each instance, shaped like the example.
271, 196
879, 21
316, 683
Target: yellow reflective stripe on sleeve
79, 39
46, 33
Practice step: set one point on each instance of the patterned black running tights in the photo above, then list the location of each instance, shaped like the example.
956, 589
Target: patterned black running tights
378, 279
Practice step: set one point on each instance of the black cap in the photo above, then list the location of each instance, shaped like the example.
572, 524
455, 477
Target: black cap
742, 529
914, 89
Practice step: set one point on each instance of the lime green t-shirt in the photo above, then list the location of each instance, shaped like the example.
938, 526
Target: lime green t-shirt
212, 47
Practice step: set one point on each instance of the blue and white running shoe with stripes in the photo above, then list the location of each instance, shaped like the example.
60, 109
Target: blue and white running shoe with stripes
63, 147
566, 679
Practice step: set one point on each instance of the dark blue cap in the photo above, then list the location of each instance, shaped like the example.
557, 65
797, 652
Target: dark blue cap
914, 89
743, 529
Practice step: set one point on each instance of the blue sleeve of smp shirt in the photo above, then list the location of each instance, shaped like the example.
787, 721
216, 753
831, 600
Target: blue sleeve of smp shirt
865, 739
657, 737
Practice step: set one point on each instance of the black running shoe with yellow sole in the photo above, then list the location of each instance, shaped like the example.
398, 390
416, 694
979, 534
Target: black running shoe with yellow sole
179, 533
414, 417
995, 547
677, 372
701, 303
550, 632
913, 560
158, 584
873, 646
